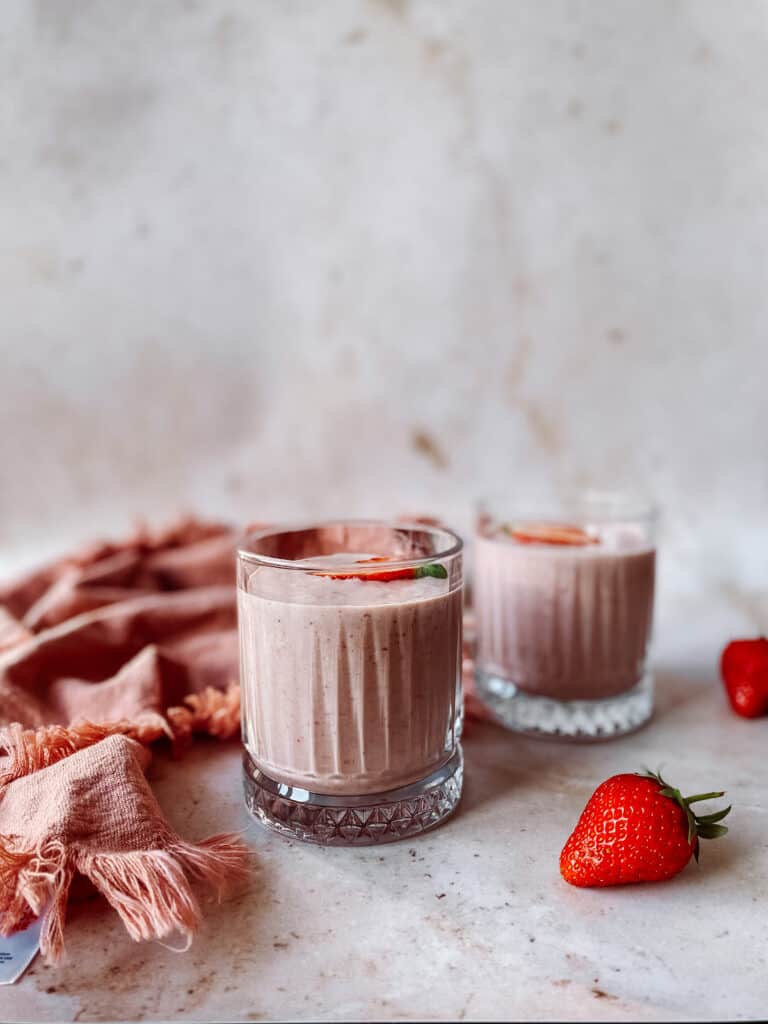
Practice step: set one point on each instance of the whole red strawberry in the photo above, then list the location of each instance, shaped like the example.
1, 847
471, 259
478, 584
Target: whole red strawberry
744, 668
636, 828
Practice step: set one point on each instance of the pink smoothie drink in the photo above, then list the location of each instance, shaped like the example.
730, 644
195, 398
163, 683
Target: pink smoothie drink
568, 621
351, 685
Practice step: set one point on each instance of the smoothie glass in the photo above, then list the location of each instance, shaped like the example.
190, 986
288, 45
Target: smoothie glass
350, 664
563, 593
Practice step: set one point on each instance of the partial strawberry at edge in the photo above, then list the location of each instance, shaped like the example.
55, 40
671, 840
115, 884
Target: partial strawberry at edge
744, 670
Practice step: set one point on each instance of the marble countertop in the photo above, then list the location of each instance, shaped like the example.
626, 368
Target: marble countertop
471, 921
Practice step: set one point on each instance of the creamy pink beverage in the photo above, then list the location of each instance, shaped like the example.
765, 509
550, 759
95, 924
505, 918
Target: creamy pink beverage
356, 681
350, 641
563, 594
571, 623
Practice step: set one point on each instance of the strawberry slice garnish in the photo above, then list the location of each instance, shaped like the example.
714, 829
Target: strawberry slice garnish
434, 569
744, 668
562, 534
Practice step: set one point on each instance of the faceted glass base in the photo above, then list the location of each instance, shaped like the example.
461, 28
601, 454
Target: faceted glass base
354, 820
583, 720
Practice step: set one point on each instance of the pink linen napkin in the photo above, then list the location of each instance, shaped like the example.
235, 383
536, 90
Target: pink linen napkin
100, 652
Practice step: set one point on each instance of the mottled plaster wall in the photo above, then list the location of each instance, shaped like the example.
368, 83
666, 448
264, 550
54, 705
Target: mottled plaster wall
281, 258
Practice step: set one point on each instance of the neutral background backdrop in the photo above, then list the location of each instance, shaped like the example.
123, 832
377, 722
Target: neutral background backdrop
285, 258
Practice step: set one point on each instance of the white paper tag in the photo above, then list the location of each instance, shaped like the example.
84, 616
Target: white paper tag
18, 951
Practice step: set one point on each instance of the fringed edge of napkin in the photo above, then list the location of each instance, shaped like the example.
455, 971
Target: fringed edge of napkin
210, 713
35, 882
30, 750
150, 889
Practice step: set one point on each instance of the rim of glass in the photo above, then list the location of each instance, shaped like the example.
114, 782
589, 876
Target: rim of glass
251, 536
597, 504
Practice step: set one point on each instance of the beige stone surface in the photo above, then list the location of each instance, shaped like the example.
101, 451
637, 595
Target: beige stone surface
471, 921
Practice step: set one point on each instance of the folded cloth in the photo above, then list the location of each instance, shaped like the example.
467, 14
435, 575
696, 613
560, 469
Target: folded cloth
100, 652
93, 812
117, 630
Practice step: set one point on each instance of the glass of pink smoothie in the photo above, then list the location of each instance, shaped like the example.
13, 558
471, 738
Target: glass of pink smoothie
563, 594
350, 665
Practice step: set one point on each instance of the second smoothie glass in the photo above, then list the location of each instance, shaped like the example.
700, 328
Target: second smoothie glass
563, 593
350, 652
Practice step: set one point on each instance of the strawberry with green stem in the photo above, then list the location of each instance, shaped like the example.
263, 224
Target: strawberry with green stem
637, 828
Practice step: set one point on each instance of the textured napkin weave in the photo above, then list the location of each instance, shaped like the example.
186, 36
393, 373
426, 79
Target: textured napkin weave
117, 630
93, 812
100, 652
